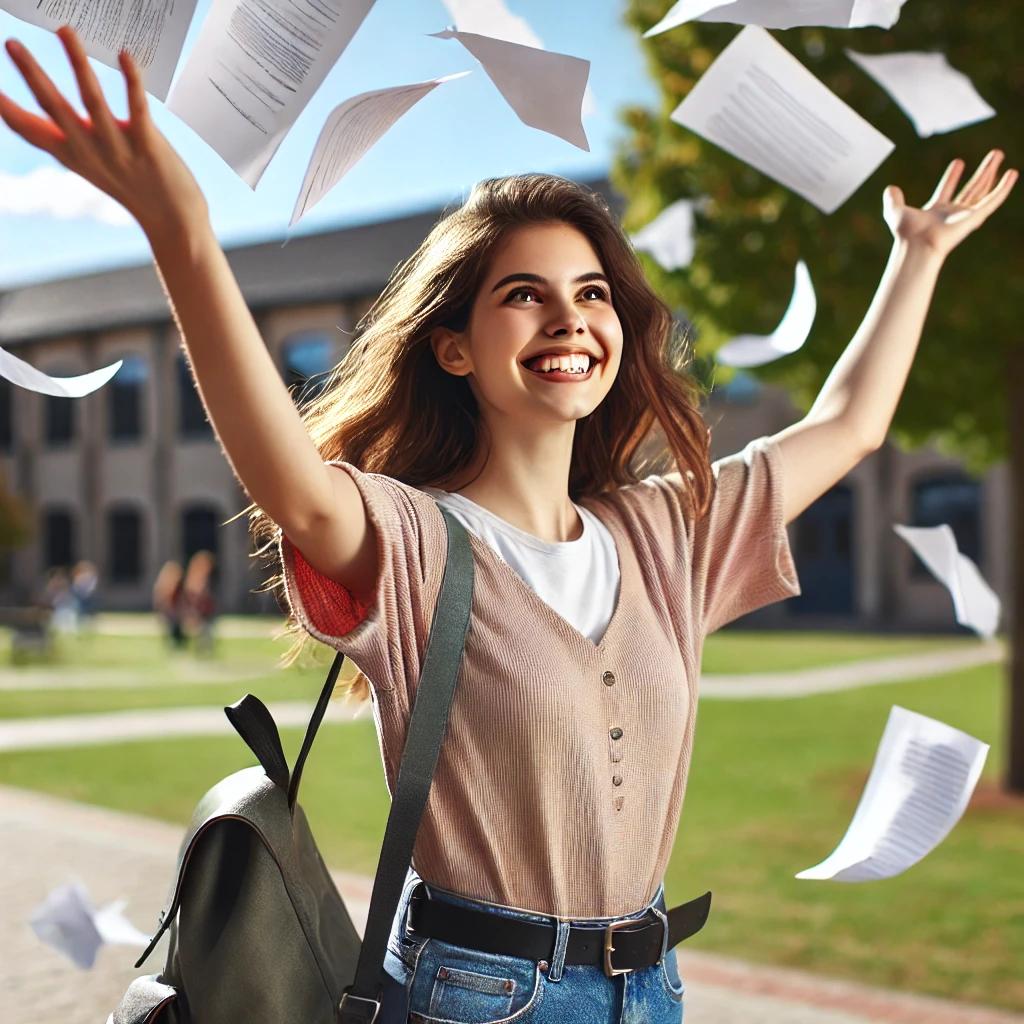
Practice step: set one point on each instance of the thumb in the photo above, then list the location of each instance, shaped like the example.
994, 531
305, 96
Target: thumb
892, 199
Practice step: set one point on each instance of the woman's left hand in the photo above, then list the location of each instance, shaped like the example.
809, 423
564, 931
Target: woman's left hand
946, 220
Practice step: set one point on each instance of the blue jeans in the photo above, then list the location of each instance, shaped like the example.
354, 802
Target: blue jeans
434, 982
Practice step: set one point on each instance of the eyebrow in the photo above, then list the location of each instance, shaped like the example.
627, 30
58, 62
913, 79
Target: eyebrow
537, 279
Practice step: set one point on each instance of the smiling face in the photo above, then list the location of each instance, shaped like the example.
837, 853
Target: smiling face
544, 293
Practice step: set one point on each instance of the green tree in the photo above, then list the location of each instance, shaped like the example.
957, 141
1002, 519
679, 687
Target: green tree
966, 389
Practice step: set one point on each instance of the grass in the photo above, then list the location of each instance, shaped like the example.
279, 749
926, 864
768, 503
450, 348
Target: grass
772, 788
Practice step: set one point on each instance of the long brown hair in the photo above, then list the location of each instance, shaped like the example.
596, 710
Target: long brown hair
388, 407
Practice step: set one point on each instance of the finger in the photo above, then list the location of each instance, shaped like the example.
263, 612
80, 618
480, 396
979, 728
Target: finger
947, 183
893, 199
41, 132
104, 126
990, 203
47, 95
140, 123
981, 179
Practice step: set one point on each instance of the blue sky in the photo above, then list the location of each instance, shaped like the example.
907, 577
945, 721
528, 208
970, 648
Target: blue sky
52, 226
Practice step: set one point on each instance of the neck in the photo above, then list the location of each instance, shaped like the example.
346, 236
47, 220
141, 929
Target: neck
524, 479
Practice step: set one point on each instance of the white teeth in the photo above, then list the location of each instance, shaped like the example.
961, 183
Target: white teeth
573, 363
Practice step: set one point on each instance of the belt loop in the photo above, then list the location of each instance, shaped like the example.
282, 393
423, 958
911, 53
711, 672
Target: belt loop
558, 956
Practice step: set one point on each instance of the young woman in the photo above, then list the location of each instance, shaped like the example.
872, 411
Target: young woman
510, 372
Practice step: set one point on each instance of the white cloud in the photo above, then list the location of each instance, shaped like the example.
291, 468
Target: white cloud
57, 193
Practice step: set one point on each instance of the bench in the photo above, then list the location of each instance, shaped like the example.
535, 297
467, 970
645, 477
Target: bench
32, 636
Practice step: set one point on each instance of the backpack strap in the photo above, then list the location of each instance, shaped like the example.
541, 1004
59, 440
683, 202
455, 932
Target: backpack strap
427, 726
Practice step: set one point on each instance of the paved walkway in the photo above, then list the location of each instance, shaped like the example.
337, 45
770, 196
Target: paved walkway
48, 842
830, 678
114, 726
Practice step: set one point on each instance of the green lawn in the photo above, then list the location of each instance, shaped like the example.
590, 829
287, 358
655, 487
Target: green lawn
773, 786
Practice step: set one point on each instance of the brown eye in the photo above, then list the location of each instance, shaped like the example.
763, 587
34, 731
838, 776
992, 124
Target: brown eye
520, 293
594, 292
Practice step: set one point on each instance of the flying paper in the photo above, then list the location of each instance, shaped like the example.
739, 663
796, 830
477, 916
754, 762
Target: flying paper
492, 18
793, 330
669, 237
17, 371
975, 603
544, 89
922, 779
153, 35
783, 13
936, 97
760, 104
67, 921
351, 130
253, 70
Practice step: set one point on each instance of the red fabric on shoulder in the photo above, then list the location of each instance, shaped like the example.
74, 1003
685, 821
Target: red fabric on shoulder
332, 608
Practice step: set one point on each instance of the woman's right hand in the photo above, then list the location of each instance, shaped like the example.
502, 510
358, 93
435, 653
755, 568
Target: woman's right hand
130, 160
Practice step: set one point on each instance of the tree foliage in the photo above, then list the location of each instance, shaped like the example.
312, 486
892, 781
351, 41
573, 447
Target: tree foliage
752, 230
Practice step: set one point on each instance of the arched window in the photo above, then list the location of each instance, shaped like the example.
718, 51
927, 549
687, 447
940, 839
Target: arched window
200, 532
305, 355
6, 416
59, 414
952, 498
58, 537
125, 395
124, 544
192, 421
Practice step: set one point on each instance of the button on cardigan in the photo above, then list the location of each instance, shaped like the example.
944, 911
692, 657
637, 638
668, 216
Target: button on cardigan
561, 779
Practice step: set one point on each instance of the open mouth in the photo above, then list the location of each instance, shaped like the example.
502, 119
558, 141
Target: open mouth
581, 370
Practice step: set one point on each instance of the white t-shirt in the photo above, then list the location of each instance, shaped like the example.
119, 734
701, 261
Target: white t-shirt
578, 578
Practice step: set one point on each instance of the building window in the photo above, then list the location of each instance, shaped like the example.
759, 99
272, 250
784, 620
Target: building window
955, 499
308, 357
125, 399
743, 389
58, 416
6, 416
200, 532
124, 544
58, 538
192, 421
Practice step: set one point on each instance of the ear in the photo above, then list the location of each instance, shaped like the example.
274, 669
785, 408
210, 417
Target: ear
451, 351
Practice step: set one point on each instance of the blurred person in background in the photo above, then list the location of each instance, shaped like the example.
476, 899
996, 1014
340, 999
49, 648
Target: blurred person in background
168, 602
58, 597
199, 606
84, 581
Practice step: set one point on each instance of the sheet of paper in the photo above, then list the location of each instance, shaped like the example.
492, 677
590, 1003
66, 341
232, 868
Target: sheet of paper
975, 604
252, 71
760, 104
17, 371
669, 238
493, 18
922, 779
935, 96
67, 921
790, 335
352, 128
783, 13
544, 89
153, 33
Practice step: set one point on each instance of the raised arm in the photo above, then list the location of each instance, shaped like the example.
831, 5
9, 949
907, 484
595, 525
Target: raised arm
851, 415
248, 404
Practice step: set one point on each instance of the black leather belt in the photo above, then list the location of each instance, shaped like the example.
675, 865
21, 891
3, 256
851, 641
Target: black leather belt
621, 947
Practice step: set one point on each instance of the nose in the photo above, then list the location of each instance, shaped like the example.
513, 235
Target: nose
566, 321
